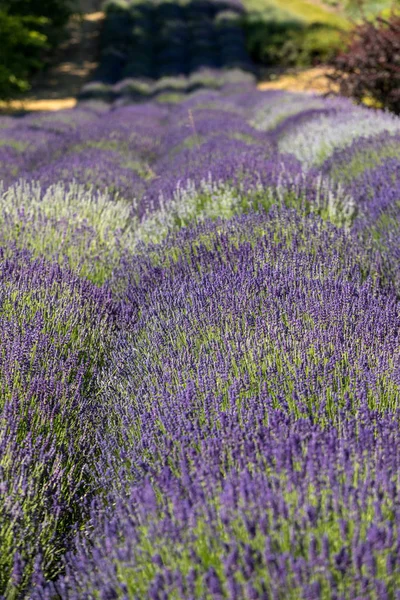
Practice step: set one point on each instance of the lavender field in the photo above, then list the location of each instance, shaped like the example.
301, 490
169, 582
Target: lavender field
200, 345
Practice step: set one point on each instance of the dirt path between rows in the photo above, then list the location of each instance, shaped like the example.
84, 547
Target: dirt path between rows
310, 80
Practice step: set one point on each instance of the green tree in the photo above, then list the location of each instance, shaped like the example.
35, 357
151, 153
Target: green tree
28, 28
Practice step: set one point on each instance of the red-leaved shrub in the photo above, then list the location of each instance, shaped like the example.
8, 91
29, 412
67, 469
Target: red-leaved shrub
370, 66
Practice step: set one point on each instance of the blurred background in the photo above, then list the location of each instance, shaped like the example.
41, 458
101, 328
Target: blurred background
53, 52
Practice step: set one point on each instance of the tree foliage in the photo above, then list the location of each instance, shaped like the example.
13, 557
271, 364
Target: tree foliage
28, 28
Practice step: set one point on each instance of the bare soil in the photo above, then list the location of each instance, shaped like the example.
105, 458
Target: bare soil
311, 80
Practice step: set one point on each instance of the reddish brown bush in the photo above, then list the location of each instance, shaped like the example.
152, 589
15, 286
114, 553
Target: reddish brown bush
370, 66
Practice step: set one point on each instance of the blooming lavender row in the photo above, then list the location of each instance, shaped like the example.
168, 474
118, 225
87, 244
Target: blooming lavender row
264, 515
215, 413
138, 142
55, 331
258, 418
166, 89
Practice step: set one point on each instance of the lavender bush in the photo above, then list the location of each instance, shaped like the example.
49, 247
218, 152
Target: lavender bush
199, 339
55, 331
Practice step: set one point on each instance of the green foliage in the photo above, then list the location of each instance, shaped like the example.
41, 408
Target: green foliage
21, 43
28, 28
116, 6
56, 12
357, 8
300, 34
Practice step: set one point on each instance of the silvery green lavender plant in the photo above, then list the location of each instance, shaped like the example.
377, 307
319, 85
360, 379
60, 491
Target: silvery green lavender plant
315, 139
81, 228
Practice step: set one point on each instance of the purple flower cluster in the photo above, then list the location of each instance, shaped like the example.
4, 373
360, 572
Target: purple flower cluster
106, 170
55, 331
260, 417
199, 348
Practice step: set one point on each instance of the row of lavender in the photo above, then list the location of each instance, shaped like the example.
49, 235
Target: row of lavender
200, 350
